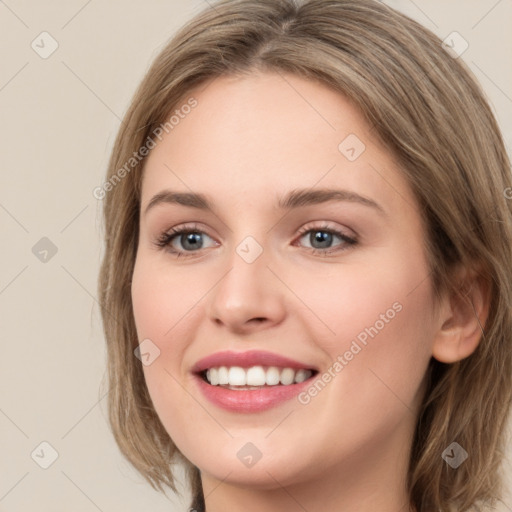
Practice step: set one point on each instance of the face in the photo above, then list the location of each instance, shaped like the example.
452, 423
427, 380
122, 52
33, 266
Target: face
297, 284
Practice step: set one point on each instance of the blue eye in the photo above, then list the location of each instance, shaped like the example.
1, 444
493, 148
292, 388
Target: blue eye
191, 239
321, 240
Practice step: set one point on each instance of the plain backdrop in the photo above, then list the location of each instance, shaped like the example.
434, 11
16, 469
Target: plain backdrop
59, 116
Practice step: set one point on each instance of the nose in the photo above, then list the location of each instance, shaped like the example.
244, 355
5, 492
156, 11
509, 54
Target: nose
249, 297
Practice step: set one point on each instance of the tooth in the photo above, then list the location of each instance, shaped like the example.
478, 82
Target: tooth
213, 377
223, 376
302, 375
272, 376
237, 376
287, 376
256, 376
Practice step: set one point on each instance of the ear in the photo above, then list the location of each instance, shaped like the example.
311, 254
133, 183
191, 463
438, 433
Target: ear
462, 317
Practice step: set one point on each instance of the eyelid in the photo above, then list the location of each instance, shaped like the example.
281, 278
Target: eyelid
348, 240
328, 226
165, 239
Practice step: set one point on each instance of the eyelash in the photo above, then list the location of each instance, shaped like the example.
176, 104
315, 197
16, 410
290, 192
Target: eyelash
165, 239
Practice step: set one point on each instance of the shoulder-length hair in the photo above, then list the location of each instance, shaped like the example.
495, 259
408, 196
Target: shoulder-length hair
427, 108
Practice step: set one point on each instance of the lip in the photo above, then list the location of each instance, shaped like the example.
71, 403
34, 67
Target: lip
248, 359
250, 400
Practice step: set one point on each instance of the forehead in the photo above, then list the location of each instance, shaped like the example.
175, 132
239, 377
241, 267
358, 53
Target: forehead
251, 137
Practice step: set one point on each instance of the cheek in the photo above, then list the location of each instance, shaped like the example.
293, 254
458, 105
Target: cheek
378, 343
375, 323
368, 307
163, 307
164, 301
157, 312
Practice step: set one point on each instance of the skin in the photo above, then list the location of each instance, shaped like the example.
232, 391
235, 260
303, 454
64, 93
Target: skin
250, 141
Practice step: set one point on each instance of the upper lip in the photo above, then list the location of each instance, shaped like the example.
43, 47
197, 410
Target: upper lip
246, 360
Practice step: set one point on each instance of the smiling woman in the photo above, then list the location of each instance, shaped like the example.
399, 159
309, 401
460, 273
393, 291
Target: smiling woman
311, 274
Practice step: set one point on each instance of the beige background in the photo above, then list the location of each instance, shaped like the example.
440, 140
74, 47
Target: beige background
59, 117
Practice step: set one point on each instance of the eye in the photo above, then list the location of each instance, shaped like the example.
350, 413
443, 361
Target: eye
182, 240
321, 239
188, 240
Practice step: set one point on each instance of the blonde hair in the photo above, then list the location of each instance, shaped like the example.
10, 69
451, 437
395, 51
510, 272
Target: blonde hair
431, 114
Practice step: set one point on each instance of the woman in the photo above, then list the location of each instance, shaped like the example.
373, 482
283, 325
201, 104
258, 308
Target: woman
306, 287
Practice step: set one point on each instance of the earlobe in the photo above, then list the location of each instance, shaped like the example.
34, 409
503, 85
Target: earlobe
462, 317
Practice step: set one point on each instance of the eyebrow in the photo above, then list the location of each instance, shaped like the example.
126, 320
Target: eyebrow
294, 199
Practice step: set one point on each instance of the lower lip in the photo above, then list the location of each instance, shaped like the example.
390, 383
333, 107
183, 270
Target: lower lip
250, 400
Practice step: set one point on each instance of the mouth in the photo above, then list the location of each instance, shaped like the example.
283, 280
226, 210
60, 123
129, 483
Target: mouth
238, 378
251, 381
